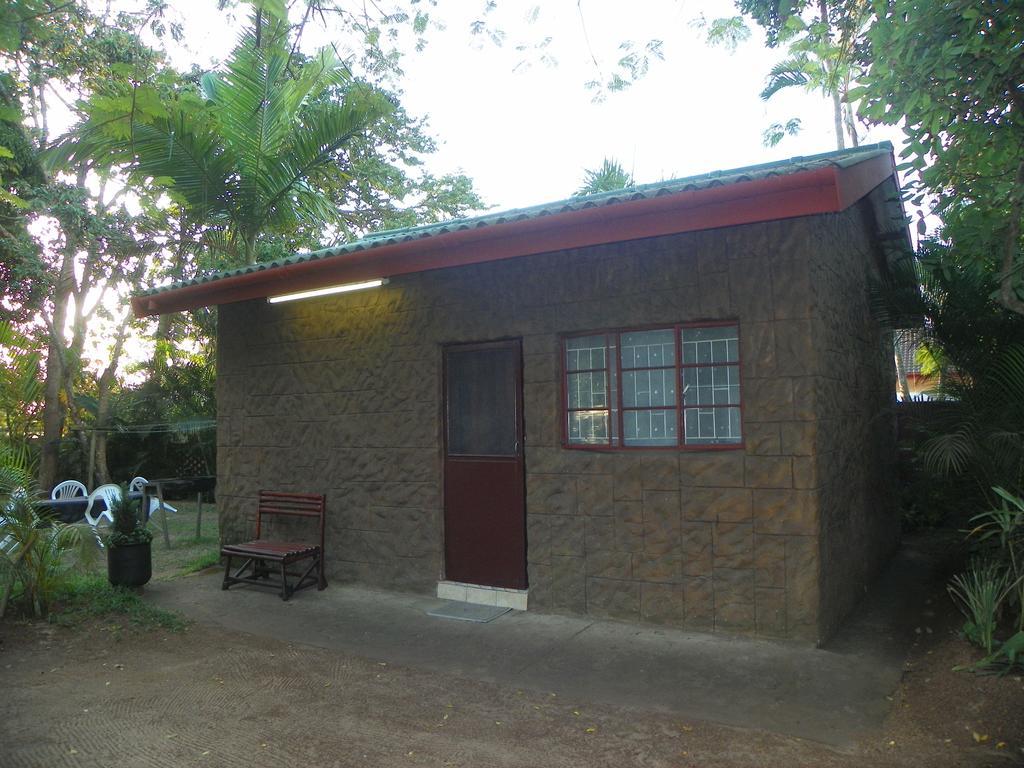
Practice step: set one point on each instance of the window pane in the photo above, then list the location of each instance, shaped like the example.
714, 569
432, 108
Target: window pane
481, 399
641, 389
588, 427
718, 344
648, 349
653, 427
613, 387
712, 426
587, 390
585, 353
718, 385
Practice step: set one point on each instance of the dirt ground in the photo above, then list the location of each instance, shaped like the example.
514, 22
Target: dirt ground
106, 695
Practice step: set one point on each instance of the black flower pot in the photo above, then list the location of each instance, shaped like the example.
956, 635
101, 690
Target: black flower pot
130, 565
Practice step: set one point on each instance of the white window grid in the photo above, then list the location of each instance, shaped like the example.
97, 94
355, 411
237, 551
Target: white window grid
646, 422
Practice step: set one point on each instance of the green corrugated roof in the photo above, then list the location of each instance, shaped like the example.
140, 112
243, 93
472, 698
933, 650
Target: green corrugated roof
842, 158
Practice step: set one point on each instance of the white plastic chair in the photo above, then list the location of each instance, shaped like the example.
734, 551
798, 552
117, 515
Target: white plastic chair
68, 489
136, 486
8, 543
110, 493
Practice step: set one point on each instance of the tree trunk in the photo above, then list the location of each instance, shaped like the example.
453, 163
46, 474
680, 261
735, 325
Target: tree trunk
53, 408
901, 370
837, 119
105, 387
1008, 277
161, 337
165, 323
851, 125
837, 97
73, 367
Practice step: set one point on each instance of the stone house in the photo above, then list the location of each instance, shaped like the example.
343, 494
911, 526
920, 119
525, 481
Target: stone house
667, 404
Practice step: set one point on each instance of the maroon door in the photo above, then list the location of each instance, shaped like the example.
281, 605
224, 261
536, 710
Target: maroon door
484, 497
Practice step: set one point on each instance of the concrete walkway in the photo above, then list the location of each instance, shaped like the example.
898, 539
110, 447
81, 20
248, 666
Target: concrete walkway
831, 695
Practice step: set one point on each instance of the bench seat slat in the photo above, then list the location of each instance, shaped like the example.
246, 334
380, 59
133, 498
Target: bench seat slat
271, 548
302, 512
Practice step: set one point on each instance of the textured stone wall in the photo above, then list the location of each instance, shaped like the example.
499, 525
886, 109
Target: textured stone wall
856, 448
342, 395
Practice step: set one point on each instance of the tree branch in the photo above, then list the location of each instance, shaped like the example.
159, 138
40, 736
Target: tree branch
1008, 273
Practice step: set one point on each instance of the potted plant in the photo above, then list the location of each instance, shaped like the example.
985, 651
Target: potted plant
129, 552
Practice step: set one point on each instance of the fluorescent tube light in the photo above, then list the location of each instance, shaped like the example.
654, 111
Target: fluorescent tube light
328, 291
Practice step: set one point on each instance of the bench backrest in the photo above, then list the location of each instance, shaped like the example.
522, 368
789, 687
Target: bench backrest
291, 505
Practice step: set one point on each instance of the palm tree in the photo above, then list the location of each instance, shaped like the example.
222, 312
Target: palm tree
824, 60
240, 155
822, 52
609, 177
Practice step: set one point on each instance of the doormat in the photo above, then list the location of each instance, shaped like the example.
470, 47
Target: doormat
481, 614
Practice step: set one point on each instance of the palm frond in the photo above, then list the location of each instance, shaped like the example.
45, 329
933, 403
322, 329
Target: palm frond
1007, 375
950, 453
186, 154
326, 129
789, 73
258, 107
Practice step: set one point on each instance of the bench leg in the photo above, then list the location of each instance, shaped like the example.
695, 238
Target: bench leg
260, 570
227, 573
285, 591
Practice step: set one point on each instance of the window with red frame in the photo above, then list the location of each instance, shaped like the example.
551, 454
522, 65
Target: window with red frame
622, 388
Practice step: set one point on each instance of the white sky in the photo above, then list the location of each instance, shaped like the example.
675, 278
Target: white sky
525, 134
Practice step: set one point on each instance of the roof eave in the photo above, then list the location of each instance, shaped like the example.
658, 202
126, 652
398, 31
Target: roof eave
822, 190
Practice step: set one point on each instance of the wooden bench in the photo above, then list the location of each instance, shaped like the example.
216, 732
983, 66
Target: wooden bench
261, 556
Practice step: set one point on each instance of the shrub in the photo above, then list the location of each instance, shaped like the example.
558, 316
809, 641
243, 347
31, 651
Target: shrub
978, 594
1001, 530
128, 528
37, 554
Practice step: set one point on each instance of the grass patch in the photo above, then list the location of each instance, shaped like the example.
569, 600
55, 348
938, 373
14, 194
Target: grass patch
89, 597
202, 562
186, 554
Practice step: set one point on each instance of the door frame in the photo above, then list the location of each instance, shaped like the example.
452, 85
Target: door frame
504, 341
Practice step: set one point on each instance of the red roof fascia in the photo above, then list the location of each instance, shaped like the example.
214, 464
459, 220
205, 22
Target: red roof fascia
822, 190
856, 181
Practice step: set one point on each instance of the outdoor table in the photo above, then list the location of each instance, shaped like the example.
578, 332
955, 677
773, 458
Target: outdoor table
72, 510
197, 484
66, 510
193, 484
